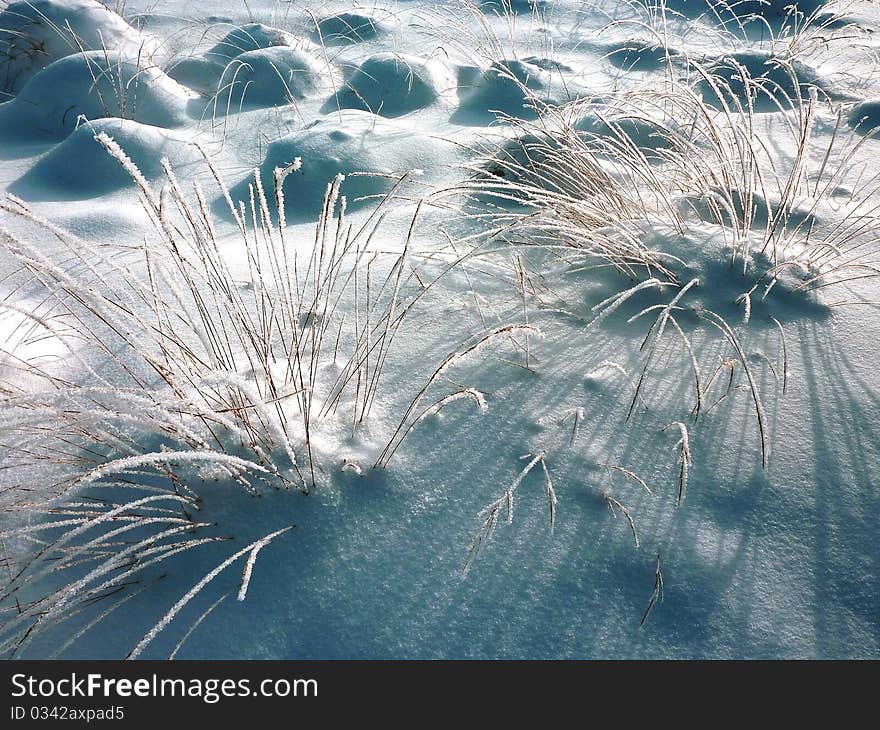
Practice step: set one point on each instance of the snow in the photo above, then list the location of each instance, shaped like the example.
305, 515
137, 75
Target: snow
605, 291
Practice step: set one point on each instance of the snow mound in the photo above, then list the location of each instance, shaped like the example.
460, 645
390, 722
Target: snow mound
517, 7
391, 84
253, 37
102, 223
533, 159
346, 28
59, 174
271, 77
548, 64
347, 142
773, 84
202, 73
515, 88
522, 160
865, 117
639, 56
625, 129
95, 85
755, 207
35, 33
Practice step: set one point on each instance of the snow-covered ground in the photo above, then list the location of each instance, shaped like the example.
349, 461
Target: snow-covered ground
577, 360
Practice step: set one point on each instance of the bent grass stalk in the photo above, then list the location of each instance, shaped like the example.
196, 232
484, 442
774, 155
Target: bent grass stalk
491, 512
251, 550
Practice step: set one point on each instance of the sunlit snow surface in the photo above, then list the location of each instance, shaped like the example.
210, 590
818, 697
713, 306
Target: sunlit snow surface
772, 562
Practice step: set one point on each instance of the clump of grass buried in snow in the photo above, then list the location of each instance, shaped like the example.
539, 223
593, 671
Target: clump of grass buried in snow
216, 359
589, 201
176, 366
